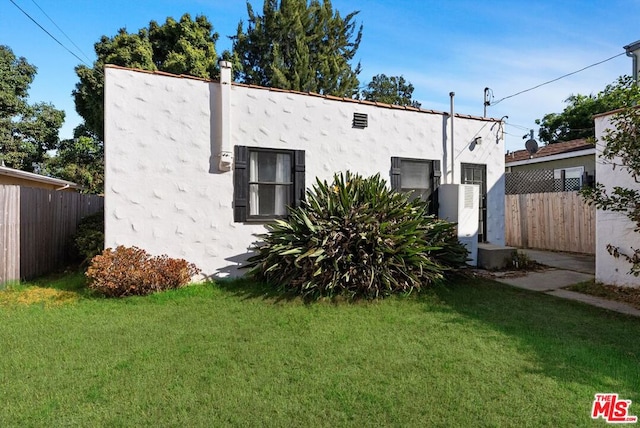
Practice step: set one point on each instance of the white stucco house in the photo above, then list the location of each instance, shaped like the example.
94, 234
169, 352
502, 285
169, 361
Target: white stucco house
195, 168
613, 228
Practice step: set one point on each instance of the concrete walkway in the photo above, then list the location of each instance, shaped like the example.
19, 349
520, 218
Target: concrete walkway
564, 269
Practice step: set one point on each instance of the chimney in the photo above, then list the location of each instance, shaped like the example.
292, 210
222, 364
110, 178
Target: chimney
633, 51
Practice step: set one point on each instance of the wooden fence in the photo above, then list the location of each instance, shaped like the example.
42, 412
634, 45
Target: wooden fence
559, 221
36, 226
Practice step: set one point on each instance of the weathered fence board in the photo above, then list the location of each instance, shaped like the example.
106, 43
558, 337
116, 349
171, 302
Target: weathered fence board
9, 233
39, 225
559, 221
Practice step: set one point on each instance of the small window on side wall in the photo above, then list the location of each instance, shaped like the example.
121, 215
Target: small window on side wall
421, 177
568, 179
266, 182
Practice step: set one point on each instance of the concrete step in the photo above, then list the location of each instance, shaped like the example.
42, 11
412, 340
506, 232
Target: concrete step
494, 257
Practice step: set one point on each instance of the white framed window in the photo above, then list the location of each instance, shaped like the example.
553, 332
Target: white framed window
270, 183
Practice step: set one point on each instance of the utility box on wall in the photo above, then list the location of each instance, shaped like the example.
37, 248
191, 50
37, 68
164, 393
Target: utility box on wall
460, 203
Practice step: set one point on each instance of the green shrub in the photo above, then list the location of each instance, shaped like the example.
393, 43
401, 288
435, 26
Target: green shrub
89, 238
128, 271
357, 238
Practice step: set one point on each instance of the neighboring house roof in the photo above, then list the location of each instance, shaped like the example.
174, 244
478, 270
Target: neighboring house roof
563, 150
38, 179
312, 94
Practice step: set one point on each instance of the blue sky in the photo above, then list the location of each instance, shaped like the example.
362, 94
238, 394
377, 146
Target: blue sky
440, 46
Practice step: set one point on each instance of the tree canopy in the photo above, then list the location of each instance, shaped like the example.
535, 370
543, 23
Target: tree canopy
186, 46
80, 160
301, 45
391, 90
576, 120
298, 45
26, 131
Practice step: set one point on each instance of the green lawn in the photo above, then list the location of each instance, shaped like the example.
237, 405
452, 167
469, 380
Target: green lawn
474, 354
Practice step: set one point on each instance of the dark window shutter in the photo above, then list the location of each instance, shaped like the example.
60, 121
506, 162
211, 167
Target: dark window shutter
240, 184
299, 186
395, 173
433, 200
437, 173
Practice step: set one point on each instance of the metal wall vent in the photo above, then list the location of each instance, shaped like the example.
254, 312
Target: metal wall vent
360, 120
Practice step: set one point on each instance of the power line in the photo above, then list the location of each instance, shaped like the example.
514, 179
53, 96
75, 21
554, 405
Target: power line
50, 35
556, 79
518, 126
65, 34
513, 135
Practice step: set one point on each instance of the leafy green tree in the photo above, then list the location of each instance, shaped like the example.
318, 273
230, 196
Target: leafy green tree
298, 45
26, 131
16, 75
622, 144
186, 46
124, 49
391, 90
576, 120
80, 160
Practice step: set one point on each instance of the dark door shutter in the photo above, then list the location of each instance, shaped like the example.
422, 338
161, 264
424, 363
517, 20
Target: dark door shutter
299, 186
395, 173
240, 184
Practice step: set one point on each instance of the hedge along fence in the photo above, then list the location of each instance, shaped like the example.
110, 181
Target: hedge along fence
35, 228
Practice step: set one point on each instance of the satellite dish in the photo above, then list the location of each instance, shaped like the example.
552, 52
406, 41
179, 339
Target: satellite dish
531, 145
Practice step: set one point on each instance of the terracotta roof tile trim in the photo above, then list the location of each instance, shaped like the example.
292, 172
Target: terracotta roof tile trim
313, 94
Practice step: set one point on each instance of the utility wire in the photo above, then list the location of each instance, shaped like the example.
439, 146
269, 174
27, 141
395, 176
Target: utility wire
50, 35
61, 30
555, 80
518, 126
513, 135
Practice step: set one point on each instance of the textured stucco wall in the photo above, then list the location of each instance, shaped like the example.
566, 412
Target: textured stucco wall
163, 191
611, 227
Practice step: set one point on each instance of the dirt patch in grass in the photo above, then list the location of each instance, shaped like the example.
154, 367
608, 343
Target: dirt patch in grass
630, 295
509, 272
37, 295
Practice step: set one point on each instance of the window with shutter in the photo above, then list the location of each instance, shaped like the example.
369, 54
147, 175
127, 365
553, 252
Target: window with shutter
421, 177
267, 182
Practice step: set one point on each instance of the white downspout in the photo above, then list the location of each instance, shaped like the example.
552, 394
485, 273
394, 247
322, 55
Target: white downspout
226, 148
452, 153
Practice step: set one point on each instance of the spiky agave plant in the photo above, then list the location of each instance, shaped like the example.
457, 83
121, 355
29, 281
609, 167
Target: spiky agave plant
357, 237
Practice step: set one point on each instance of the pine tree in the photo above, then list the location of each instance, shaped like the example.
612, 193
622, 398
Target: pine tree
298, 45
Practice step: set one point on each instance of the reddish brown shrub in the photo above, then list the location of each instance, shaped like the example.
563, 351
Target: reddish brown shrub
128, 271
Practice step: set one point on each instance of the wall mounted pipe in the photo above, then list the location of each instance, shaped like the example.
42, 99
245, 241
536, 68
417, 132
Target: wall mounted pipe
451, 139
224, 110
